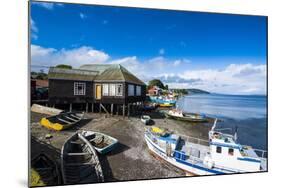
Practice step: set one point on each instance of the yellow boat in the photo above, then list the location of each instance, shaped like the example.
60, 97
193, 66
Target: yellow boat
61, 121
166, 104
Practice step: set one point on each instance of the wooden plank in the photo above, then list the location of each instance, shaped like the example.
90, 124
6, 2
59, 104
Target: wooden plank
78, 164
70, 118
64, 120
78, 154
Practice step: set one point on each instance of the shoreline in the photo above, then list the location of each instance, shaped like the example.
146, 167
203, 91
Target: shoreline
131, 151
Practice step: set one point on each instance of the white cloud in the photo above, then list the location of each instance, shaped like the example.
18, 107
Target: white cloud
234, 78
82, 16
74, 57
162, 51
34, 29
47, 5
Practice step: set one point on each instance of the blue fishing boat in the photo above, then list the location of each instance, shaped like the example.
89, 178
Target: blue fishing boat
221, 154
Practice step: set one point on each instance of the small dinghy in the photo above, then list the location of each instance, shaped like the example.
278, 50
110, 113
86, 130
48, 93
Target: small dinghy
79, 161
44, 171
61, 121
101, 142
145, 119
192, 117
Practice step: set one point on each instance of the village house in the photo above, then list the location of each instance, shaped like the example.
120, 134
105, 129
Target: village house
154, 90
107, 87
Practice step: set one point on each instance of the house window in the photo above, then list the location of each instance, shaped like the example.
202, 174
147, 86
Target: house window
218, 149
131, 90
79, 88
138, 90
119, 90
105, 89
230, 151
112, 90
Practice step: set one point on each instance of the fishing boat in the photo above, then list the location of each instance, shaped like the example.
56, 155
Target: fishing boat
145, 119
221, 154
103, 143
80, 162
62, 121
192, 117
44, 171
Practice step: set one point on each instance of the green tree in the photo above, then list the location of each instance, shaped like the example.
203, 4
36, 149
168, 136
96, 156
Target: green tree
156, 82
62, 66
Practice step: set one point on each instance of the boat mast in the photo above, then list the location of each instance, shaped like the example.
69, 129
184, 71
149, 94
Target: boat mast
214, 125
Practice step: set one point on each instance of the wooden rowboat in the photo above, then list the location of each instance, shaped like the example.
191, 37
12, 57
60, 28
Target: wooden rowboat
62, 121
44, 171
101, 142
80, 162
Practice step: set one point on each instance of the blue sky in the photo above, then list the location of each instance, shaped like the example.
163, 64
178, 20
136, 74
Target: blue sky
184, 49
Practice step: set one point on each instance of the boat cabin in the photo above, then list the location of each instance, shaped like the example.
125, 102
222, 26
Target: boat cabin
226, 152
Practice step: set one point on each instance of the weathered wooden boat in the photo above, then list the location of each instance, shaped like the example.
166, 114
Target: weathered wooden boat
44, 171
220, 154
80, 162
192, 117
145, 119
103, 143
62, 121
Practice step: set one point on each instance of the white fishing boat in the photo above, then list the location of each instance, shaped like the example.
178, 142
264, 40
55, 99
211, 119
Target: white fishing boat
220, 155
180, 115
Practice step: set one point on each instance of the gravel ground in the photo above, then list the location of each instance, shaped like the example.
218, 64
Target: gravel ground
131, 160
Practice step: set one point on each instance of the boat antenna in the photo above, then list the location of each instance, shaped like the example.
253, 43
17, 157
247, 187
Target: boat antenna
214, 125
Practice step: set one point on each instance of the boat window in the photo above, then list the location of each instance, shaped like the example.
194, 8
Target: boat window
218, 149
105, 89
79, 88
131, 90
230, 151
119, 89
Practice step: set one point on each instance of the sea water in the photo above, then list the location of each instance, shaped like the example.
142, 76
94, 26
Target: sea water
246, 112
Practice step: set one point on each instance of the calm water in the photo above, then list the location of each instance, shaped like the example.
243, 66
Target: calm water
248, 113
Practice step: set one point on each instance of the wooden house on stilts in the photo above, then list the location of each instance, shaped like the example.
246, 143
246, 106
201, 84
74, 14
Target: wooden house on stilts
103, 87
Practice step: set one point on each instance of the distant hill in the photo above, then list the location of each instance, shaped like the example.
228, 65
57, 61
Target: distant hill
197, 91
190, 91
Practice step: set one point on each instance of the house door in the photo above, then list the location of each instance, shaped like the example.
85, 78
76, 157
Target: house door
98, 92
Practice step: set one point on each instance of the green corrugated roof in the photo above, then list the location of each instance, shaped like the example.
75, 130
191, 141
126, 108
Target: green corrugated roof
71, 74
98, 72
118, 73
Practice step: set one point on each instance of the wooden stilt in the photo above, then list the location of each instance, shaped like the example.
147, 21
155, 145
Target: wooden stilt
104, 108
87, 106
129, 106
123, 110
100, 108
111, 109
92, 107
70, 107
117, 109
